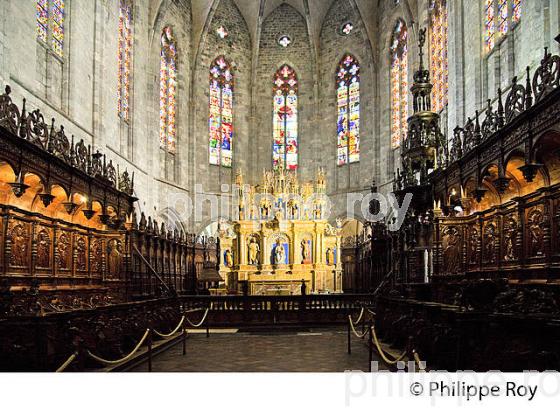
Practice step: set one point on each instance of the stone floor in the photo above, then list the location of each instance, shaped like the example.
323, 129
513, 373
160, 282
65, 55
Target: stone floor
301, 350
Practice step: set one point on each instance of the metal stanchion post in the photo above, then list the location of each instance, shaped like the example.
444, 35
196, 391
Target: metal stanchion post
184, 340
150, 351
370, 346
208, 325
349, 338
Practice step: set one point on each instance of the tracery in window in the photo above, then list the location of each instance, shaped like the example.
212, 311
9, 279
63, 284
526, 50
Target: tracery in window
399, 83
50, 24
348, 105
220, 119
168, 91
124, 58
500, 17
285, 119
438, 53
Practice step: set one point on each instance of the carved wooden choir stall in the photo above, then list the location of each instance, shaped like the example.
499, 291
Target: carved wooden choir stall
476, 266
69, 236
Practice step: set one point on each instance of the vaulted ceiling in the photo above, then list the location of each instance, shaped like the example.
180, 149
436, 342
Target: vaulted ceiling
255, 12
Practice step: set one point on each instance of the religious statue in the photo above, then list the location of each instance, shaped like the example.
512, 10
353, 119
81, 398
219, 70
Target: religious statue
254, 250
251, 203
19, 252
451, 251
114, 258
305, 251
265, 208
228, 258
97, 256
292, 208
280, 185
330, 257
536, 233
43, 249
490, 243
318, 210
81, 254
510, 228
279, 256
63, 251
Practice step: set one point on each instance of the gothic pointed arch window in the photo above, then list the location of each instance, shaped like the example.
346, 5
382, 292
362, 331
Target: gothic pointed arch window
438, 53
399, 83
348, 106
220, 119
50, 24
168, 91
124, 58
285, 119
500, 17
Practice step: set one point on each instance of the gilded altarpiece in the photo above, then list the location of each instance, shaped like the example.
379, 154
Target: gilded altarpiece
281, 239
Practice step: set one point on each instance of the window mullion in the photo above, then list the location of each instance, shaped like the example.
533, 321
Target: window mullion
220, 140
285, 131
348, 122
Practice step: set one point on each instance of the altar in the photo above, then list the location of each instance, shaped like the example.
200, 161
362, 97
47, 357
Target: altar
281, 242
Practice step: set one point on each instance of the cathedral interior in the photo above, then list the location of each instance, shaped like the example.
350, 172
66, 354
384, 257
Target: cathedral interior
381, 174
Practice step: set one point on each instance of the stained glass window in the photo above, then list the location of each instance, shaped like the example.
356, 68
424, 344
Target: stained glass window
499, 18
399, 84
503, 16
284, 41
168, 90
57, 11
438, 53
222, 32
220, 120
42, 19
490, 25
348, 105
124, 58
346, 28
516, 10
285, 119
50, 21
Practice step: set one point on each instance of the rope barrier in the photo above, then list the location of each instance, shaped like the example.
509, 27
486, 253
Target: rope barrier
380, 350
359, 336
165, 335
124, 359
66, 363
371, 312
359, 317
201, 322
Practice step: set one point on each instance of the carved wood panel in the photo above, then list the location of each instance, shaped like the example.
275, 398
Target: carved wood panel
44, 246
534, 227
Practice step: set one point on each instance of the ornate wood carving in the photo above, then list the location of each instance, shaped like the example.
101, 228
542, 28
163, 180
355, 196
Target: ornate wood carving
451, 244
44, 243
535, 232
19, 241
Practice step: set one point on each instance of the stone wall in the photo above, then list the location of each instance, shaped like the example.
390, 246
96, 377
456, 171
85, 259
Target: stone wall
80, 89
301, 57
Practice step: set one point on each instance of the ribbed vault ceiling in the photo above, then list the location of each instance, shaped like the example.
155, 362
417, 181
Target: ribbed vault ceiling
256, 11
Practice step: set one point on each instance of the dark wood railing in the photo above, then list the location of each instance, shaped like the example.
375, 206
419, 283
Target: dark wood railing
44, 342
